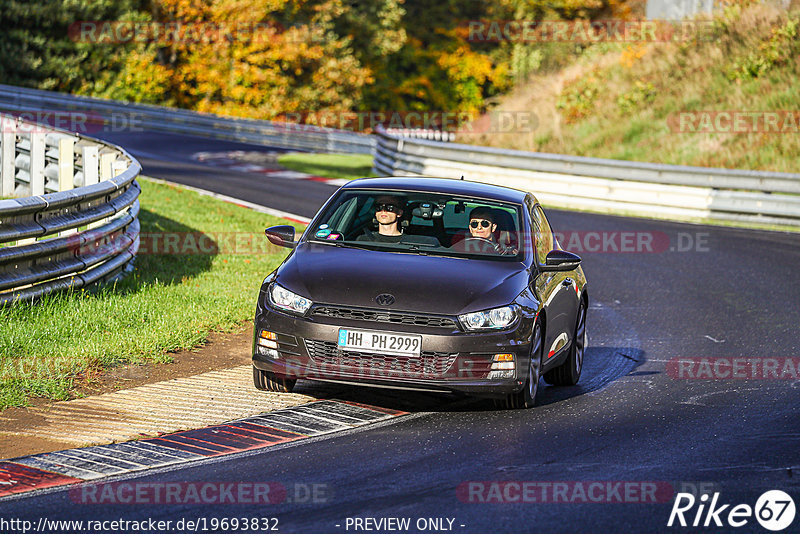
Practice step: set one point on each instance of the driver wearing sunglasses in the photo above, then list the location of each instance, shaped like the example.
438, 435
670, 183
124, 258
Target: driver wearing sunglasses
483, 233
481, 224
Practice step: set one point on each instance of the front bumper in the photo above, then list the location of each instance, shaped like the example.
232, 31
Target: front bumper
451, 360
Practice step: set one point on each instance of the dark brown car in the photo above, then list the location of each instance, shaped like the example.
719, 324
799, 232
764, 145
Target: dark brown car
423, 283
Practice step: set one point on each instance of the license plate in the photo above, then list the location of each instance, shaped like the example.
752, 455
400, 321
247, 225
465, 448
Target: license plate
380, 342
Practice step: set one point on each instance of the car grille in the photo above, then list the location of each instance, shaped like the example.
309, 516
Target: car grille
384, 316
327, 356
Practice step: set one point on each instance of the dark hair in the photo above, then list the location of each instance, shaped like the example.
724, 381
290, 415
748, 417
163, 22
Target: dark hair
482, 213
390, 199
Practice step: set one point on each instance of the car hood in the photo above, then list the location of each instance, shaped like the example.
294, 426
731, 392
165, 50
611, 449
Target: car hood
428, 284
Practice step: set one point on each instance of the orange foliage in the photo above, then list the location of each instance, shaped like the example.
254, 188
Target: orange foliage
236, 57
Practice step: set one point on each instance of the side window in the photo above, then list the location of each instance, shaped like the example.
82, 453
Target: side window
341, 218
543, 235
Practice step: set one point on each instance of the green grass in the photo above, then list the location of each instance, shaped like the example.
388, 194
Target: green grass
347, 166
169, 302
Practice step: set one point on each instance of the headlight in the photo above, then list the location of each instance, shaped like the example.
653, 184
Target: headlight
489, 319
282, 298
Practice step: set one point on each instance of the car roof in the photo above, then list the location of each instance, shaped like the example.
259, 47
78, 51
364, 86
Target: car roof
440, 185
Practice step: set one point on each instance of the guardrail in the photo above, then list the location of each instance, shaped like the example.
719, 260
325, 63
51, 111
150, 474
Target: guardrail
77, 223
99, 112
667, 191
422, 133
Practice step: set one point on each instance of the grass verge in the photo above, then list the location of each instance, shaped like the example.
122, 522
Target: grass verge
347, 166
657, 102
198, 271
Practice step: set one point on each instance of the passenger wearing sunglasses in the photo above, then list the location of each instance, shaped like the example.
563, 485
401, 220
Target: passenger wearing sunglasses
388, 215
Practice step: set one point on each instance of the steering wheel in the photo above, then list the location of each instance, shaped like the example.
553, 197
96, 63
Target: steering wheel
476, 240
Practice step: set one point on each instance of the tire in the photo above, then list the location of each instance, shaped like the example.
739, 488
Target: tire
266, 381
527, 397
569, 372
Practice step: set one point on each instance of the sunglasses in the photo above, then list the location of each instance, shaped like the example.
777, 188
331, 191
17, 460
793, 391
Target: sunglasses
483, 223
391, 208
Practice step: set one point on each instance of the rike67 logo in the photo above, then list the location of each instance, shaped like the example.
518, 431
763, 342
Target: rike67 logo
774, 510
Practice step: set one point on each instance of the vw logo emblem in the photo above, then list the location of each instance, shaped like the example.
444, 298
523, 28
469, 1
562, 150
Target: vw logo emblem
385, 299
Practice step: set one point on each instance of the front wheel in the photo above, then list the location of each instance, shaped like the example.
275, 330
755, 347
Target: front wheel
569, 372
527, 397
266, 381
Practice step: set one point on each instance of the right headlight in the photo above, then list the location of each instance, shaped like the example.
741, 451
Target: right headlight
283, 299
493, 319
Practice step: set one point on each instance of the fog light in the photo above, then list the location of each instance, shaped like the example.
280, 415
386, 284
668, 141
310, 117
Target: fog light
497, 375
267, 343
503, 366
272, 353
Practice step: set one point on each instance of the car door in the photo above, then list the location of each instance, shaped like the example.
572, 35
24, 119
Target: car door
556, 289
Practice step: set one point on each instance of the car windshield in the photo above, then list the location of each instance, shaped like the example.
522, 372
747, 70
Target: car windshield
421, 223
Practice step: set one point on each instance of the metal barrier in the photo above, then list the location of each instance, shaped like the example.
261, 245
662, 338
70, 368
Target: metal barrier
422, 133
97, 112
60, 236
668, 191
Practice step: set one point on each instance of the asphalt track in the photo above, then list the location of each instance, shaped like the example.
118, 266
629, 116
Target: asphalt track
635, 418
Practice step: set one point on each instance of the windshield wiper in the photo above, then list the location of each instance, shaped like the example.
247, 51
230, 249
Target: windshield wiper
348, 244
420, 249
326, 242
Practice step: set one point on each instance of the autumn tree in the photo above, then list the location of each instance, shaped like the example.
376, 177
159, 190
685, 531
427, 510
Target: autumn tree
38, 49
265, 59
271, 58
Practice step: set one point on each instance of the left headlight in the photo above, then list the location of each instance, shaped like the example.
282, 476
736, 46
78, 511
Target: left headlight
283, 299
495, 318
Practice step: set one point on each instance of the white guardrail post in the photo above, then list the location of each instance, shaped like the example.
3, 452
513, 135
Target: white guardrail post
66, 163
7, 144
58, 236
91, 166
572, 182
36, 163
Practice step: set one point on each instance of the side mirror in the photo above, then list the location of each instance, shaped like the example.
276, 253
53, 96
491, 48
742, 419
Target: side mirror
282, 235
560, 260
